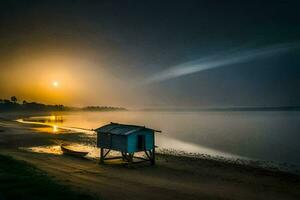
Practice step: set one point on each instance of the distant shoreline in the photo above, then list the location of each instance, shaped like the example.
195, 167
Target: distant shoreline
116, 109
226, 109
12, 105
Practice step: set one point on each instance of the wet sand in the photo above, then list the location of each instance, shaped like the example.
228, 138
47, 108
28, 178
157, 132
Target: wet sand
172, 178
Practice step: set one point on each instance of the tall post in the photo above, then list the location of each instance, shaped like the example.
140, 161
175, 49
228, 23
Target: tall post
101, 156
153, 151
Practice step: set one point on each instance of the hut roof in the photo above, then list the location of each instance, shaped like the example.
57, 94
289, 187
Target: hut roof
121, 129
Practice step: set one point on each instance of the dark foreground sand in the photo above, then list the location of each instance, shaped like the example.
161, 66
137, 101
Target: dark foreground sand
172, 177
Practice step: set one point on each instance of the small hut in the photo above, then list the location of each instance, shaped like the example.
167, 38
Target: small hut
127, 139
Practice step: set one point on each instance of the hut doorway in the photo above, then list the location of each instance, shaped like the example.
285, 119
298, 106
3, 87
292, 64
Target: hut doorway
141, 142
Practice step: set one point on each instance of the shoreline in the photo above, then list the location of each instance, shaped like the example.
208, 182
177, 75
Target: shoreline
234, 159
231, 159
244, 162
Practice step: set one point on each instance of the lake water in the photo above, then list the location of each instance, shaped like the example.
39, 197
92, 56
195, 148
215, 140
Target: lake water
268, 136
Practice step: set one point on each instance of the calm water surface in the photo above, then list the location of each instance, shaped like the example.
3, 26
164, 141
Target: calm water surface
268, 136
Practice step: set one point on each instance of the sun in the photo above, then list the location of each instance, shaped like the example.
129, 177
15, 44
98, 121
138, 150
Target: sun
55, 83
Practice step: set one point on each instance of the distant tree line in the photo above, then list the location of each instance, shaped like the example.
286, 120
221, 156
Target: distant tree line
7, 105
13, 105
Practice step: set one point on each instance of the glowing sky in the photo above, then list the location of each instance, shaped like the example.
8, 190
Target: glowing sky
150, 54
59, 79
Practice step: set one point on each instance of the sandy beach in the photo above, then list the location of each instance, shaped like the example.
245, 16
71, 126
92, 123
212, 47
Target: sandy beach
172, 178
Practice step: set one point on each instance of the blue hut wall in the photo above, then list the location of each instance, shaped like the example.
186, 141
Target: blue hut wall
125, 143
111, 141
132, 140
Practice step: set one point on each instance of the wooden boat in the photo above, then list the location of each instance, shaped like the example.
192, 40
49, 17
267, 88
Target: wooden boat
71, 152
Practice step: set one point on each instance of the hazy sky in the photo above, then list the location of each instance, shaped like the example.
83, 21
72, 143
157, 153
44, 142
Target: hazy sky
151, 53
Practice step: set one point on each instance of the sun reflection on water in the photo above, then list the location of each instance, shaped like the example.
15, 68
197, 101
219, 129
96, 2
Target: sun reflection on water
55, 129
56, 149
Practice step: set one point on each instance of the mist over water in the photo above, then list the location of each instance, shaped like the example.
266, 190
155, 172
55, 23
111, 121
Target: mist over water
267, 136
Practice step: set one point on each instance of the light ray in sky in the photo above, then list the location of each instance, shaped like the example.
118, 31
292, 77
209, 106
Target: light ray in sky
218, 61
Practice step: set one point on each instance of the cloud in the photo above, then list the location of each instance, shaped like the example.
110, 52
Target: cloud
221, 60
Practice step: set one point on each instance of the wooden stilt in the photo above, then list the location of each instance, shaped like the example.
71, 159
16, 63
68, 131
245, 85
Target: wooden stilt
153, 156
106, 153
123, 156
153, 152
148, 155
130, 159
101, 156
